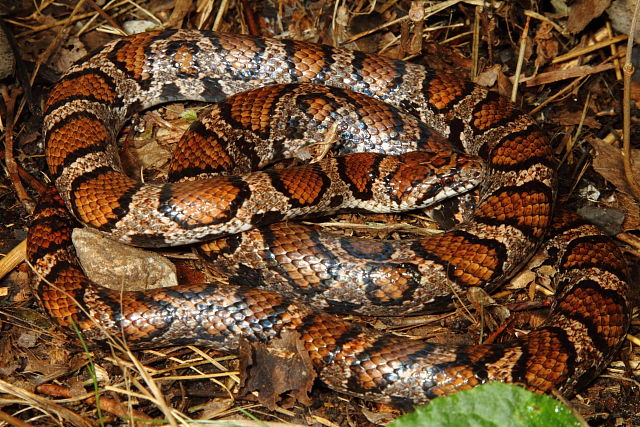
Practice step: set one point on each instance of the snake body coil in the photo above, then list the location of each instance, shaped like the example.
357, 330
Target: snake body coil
85, 110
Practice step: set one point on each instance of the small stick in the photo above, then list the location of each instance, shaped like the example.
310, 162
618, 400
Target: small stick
250, 17
428, 11
543, 18
523, 45
67, 417
569, 73
12, 167
106, 404
626, 109
614, 52
558, 94
13, 421
629, 239
105, 15
476, 43
13, 259
586, 49
221, 11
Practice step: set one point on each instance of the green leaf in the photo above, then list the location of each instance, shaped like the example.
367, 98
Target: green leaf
189, 115
491, 405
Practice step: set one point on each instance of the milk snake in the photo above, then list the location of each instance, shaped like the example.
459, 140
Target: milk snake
89, 105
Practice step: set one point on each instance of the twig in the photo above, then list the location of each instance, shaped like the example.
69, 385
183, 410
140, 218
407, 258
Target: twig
523, 45
543, 18
105, 403
629, 239
13, 421
43, 404
64, 22
558, 94
249, 16
428, 11
476, 42
585, 108
587, 49
626, 109
491, 338
56, 42
13, 258
10, 161
180, 10
221, 11
614, 53
146, 12
21, 73
569, 73
105, 15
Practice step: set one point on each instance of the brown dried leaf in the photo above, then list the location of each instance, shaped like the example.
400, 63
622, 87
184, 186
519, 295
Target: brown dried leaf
483, 303
281, 366
70, 52
572, 118
608, 163
505, 87
150, 155
546, 44
583, 11
631, 209
488, 77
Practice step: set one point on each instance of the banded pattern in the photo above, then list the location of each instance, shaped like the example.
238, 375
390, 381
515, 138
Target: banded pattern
88, 106
251, 130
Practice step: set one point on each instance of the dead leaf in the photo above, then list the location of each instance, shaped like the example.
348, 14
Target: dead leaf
281, 366
608, 163
620, 13
547, 45
380, 417
150, 155
214, 408
583, 11
631, 209
505, 87
488, 77
70, 52
571, 118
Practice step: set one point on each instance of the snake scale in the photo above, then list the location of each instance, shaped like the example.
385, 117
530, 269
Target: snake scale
87, 107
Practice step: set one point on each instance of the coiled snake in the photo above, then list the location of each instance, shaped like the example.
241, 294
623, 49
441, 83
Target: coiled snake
85, 110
